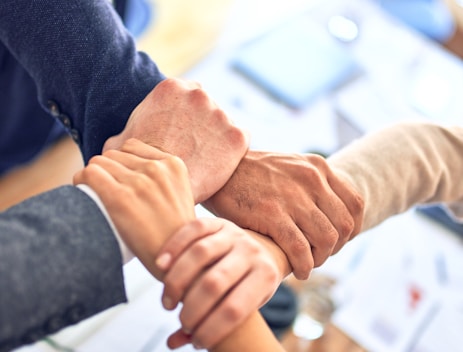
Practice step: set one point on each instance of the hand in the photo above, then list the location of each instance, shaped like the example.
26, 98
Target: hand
221, 274
147, 199
178, 117
296, 200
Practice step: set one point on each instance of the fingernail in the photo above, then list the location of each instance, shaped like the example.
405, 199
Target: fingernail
167, 302
163, 261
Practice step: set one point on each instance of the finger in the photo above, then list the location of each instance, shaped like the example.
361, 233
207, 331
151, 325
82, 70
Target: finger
294, 243
117, 170
144, 171
178, 339
320, 233
351, 198
229, 314
210, 289
190, 264
133, 162
336, 210
337, 233
182, 238
328, 200
78, 177
143, 150
99, 180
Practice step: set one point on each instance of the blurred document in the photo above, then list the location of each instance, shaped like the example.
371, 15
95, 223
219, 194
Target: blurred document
406, 292
443, 331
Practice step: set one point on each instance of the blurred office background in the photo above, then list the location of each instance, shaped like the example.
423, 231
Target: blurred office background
311, 76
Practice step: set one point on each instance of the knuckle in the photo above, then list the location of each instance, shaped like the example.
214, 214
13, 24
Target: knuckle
346, 227
96, 159
172, 287
200, 250
199, 95
300, 246
176, 163
254, 248
150, 167
90, 170
168, 83
212, 283
129, 144
270, 273
199, 225
233, 312
110, 153
302, 261
185, 320
321, 254
358, 204
330, 238
313, 175
318, 160
303, 268
221, 116
237, 138
141, 183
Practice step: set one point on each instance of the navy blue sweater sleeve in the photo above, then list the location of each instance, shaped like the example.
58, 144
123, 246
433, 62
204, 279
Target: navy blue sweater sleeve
85, 64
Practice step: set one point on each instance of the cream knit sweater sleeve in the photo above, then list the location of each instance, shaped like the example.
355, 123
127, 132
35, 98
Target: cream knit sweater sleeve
403, 165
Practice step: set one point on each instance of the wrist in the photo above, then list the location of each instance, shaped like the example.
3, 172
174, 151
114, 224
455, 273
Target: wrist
279, 257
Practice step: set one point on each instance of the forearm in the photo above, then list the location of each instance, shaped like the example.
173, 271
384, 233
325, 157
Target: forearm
253, 335
403, 165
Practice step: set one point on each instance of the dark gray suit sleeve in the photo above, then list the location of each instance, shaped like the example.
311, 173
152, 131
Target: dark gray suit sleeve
60, 263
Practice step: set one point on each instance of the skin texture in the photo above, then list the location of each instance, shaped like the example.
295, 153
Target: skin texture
147, 194
178, 117
294, 199
213, 266
147, 198
435, 153
251, 336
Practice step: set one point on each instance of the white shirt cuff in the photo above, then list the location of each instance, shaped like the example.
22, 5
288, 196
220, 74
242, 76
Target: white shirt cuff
126, 254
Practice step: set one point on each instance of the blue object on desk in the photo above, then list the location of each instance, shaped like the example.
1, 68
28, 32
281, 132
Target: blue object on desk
280, 311
296, 62
430, 17
440, 214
